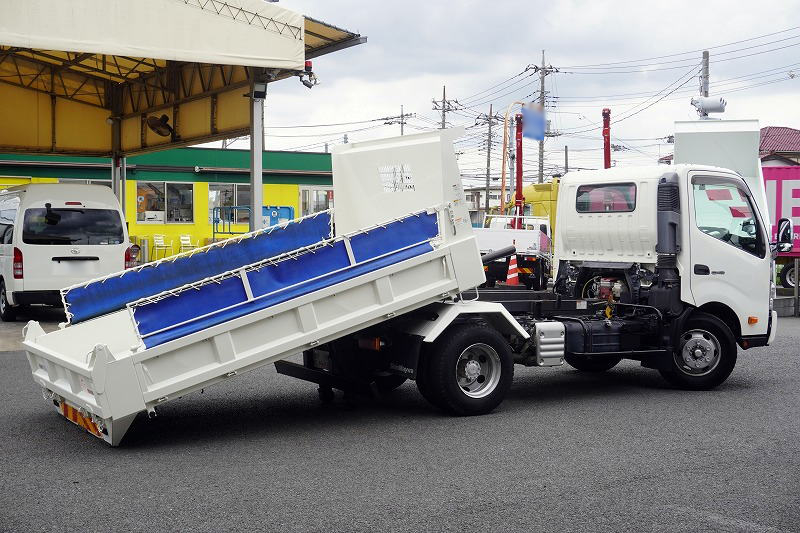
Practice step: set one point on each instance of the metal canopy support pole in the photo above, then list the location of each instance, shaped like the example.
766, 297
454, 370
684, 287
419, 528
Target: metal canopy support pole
256, 154
123, 179
116, 145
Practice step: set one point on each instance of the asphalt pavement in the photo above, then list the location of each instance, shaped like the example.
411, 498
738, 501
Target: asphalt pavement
568, 451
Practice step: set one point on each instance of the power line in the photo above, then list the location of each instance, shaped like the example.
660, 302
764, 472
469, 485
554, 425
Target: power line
793, 28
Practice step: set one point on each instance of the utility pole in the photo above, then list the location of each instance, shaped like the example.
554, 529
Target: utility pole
544, 70
399, 119
566, 159
444, 106
490, 120
542, 74
704, 75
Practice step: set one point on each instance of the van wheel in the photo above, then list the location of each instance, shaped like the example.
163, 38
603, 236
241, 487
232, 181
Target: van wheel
468, 371
704, 356
590, 363
787, 276
7, 312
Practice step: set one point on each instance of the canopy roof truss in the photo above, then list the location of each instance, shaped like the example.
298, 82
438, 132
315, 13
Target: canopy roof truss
202, 101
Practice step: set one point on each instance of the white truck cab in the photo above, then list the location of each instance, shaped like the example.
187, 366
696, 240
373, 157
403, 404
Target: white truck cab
688, 241
56, 235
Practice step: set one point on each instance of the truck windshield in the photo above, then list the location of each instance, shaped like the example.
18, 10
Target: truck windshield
72, 226
724, 210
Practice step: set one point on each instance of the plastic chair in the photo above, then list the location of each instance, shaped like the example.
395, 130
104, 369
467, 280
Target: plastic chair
186, 243
160, 243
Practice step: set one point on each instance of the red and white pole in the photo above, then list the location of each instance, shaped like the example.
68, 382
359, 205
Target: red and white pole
519, 200
606, 138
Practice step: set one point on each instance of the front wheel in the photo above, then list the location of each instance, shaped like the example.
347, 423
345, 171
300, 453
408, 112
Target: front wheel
468, 370
7, 312
704, 356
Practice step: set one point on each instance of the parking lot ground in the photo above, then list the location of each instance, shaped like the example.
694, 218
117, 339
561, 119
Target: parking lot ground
619, 451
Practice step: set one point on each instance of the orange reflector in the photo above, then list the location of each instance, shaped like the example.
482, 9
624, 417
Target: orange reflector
370, 343
752, 320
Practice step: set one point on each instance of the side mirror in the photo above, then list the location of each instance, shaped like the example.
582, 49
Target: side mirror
784, 235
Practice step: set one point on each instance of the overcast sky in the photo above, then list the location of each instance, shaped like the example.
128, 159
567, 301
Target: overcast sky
415, 47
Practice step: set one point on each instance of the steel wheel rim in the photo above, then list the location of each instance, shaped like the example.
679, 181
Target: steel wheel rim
790, 276
699, 353
3, 301
478, 370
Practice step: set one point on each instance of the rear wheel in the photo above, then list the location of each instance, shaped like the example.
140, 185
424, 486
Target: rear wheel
7, 311
468, 370
705, 354
592, 363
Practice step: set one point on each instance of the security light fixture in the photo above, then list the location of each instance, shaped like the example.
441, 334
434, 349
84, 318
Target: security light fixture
709, 104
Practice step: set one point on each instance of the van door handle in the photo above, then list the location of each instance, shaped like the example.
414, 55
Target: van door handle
702, 270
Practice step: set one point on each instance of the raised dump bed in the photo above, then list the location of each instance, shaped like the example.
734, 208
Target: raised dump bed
143, 337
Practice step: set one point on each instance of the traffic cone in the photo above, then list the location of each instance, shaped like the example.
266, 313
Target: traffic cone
513, 272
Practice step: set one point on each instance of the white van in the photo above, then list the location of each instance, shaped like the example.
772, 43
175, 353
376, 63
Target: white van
53, 235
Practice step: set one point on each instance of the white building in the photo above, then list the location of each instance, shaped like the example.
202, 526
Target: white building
476, 200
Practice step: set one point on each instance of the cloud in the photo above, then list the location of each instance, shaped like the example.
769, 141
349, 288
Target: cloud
415, 47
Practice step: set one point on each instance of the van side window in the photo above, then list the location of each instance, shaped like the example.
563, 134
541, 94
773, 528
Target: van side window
606, 198
9, 206
724, 210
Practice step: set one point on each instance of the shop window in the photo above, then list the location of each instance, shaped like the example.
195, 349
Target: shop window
243, 199
315, 199
229, 195
149, 201
220, 195
180, 205
161, 202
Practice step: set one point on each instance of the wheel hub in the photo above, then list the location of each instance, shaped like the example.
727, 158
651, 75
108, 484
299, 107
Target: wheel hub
472, 369
700, 352
478, 370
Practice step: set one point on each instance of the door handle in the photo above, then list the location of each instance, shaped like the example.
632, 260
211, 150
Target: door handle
702, 270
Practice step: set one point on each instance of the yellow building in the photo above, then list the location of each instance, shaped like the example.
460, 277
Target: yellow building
174, 192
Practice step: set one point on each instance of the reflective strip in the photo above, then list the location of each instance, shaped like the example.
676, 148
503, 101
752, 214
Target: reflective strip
524, 270
72, 414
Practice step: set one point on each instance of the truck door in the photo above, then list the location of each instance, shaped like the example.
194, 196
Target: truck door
730, 262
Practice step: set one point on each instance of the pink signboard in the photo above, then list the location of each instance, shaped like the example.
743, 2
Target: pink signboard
783, 199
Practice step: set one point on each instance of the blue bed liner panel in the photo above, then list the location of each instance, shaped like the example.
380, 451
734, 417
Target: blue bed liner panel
193, 310
115, 293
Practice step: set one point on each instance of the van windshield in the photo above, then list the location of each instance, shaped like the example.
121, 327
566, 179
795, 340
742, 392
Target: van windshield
72, 226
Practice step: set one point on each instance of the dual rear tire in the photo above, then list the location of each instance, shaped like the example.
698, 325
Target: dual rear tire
467, 371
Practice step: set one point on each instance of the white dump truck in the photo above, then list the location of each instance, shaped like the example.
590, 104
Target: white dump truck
378, 299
